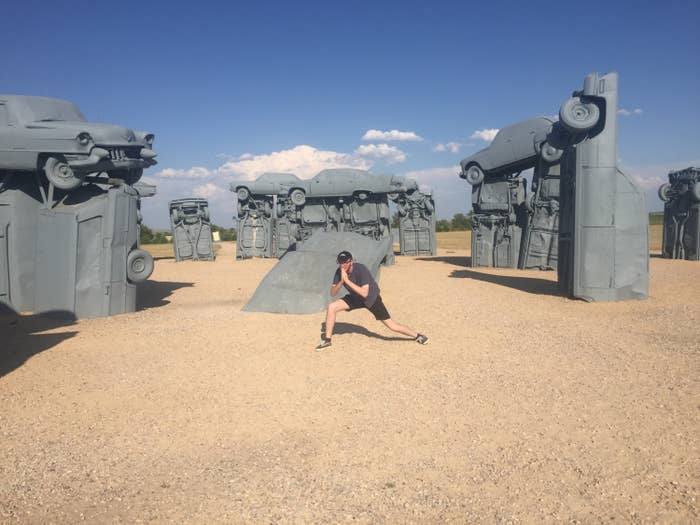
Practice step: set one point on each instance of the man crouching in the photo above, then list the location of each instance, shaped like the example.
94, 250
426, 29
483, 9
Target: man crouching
363, 292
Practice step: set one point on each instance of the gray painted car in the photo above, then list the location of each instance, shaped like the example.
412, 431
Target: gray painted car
514, 149
681, 197
52, 135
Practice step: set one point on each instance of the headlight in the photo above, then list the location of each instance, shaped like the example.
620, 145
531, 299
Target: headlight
149, 138
84, 138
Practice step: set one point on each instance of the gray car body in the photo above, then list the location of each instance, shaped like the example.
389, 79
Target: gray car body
513, 149
35, 128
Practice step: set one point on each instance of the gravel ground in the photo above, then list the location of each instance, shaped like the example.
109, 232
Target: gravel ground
524, 407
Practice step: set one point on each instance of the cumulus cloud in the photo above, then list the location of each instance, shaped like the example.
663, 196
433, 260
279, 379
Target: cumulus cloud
452, 147
303, 161
629, 112
210, 191
196, 172
487, 135
389, 154
391, 136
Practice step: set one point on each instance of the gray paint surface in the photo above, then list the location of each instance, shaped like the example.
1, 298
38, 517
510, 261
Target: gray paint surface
681, 233
416, 223
300, 282
498, 221
604, 223
191, 228
540, 246
69, 219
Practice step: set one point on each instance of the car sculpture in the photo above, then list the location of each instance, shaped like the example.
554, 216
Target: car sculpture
513, 149
53, 136
681, 197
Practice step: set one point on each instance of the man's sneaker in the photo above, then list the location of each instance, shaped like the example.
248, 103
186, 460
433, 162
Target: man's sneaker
421, 339
325, 343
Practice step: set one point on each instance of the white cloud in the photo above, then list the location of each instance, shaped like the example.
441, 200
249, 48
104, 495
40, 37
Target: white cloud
627, 112
452, 147
389, 154
486, 135
196, 172
391, 136
303, 161
210, 191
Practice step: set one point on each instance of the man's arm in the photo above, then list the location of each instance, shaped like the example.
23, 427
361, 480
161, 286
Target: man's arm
362, 291
335, 287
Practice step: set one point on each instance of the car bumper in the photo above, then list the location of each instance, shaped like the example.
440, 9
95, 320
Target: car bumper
107, 159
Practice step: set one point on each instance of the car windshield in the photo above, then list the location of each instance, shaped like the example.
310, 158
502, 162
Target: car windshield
46, 110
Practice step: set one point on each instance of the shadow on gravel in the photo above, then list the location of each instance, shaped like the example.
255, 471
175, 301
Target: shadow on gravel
525, 284
151, 294
349, 328
455, 260
19, 339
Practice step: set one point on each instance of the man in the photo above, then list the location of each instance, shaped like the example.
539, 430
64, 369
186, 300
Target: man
363, 292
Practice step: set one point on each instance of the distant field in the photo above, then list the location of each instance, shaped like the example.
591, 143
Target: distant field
462, 240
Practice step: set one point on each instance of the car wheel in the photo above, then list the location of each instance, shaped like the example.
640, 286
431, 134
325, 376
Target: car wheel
695, 192
298, 197
242, 194
362, 195
578, 116
139, 266
61, 175
474, 175
135, 175
664, 191
550, 154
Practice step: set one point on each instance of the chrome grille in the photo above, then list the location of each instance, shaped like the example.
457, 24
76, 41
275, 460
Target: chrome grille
124, 153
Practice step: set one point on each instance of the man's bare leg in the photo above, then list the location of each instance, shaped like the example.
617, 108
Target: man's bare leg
399, 328
331, 312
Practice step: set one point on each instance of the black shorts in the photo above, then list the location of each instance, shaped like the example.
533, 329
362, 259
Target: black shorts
378, 309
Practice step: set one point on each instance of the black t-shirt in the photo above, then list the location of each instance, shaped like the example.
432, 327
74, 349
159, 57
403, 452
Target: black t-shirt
360, 276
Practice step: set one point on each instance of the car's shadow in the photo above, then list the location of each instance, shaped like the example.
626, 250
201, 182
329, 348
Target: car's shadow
531, 285
152, 294
20, 338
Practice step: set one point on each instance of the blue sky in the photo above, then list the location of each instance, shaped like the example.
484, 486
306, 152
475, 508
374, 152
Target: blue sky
233, 89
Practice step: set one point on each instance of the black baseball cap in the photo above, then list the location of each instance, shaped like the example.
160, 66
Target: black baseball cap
344, 257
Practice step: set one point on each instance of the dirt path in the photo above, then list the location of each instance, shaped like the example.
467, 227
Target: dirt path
524, 407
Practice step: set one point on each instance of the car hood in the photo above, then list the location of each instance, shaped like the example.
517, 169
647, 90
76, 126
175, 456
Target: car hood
107, 134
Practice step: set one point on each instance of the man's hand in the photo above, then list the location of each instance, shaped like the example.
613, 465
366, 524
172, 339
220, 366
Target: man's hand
344, 274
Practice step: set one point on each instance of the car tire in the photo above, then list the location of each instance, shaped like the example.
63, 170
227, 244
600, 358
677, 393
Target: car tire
61, 175
550, 154
474, 175
139, 265
578, 116
242, 194
362, 195
664, 191
298, 197
695, 192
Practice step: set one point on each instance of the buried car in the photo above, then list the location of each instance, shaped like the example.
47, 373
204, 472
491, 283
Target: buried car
53, 136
